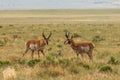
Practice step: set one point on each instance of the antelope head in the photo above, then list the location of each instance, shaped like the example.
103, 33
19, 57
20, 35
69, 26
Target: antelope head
46, 39
69, 38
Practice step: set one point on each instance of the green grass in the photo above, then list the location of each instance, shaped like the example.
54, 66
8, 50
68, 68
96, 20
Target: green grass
16, 30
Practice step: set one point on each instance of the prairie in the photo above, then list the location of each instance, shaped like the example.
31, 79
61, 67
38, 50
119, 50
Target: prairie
102, 27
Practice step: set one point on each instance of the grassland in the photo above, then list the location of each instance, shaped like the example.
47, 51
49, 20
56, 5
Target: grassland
101, 27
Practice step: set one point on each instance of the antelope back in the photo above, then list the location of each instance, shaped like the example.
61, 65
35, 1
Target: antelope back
83, 47
35, 44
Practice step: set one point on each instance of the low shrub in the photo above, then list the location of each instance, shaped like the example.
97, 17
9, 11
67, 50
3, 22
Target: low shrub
1, 26
3, 42
59, 46
4, 63
113, 61
49, 49
22, 62
33, 62
86, 66
105, 68
97, 38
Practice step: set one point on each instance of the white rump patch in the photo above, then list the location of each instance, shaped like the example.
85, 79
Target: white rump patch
33, 46
85, 48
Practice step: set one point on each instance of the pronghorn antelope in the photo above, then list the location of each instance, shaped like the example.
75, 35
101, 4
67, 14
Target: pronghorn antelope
37, 45
80, 47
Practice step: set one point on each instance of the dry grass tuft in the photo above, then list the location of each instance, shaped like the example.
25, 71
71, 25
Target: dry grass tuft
9, 74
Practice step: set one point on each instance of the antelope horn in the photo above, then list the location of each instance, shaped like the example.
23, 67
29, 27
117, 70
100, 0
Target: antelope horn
49, 35
67, 34
43, 35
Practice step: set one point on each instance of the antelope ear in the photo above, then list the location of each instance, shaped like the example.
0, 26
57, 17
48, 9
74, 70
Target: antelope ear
66, 42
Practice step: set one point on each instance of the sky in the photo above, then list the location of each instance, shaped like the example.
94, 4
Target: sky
58, 4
